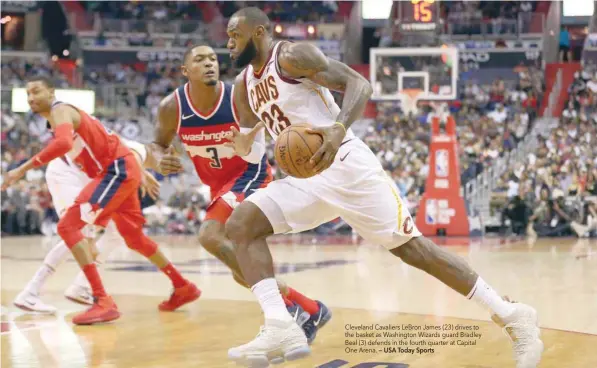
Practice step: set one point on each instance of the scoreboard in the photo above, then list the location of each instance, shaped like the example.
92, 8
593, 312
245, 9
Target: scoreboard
418, 15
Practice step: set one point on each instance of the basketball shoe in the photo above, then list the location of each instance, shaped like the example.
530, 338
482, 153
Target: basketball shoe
103, 310
299, 315
79, 294
276, 342
31, 302
522, 329
180, 296
317, 321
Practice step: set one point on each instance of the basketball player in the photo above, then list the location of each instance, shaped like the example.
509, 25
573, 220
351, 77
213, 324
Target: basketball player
65, 181
285, 83
202, 113
111, 194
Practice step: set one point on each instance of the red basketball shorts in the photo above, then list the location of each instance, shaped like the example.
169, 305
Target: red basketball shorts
114, 193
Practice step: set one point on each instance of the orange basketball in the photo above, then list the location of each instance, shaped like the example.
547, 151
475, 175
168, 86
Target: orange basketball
294, 149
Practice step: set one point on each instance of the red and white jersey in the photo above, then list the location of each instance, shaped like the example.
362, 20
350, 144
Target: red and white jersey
94, 146
279, 101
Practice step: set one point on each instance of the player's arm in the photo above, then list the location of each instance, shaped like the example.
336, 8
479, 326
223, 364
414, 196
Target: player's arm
303, 60
249, 143
63, 119
161, 155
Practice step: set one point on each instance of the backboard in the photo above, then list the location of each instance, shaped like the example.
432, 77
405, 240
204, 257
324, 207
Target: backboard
413, 74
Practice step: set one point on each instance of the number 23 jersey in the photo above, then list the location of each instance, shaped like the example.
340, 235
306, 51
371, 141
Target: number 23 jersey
279, 101
203, 137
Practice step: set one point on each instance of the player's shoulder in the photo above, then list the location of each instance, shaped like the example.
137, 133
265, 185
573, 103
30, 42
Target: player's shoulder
169, 104
299, 58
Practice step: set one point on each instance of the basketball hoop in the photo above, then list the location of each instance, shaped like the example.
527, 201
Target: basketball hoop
408, 100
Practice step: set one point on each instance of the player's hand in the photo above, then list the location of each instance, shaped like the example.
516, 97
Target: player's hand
242, 143
170, 162
12, 177
332, 139
150, 186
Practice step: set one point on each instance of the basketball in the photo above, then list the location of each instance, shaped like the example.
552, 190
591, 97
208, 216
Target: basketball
294, 148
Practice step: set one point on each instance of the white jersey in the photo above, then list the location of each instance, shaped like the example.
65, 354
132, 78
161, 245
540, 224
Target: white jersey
355, 187
279, 101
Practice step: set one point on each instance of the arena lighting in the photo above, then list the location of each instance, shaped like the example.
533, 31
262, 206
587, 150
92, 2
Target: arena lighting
54, 57
310, 30
278, 28
376, 9
6, 19
578, 8
65, 52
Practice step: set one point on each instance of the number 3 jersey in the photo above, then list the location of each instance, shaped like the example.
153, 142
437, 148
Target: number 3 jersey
203, 137
279, 101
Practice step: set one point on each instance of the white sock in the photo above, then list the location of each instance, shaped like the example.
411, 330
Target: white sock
35, 285
53, 259
270, 299
488, 298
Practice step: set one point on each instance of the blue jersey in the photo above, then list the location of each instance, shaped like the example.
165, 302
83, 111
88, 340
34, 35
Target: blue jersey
203, 137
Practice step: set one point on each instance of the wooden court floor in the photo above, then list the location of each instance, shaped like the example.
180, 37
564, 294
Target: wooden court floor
363, 285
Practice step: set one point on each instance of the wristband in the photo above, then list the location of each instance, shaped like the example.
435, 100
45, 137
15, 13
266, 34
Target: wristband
342, 125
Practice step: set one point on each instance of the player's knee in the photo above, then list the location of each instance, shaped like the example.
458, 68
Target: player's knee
238, 231
246, 224
210, 234
68, 230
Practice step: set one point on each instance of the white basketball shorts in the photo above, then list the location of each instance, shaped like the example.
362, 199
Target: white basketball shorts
355, 188
65, 182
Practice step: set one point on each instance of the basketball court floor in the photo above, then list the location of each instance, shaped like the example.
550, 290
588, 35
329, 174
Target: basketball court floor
364, 286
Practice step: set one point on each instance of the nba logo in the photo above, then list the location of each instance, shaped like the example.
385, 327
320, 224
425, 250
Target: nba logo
441, 163
431, 211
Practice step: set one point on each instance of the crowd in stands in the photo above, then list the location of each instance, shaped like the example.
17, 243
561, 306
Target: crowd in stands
554, 192
474, 17
282, 11
491, 120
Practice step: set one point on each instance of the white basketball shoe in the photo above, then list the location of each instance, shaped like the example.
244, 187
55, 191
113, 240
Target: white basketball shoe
32, 303
276, 342
523, 330
79, 294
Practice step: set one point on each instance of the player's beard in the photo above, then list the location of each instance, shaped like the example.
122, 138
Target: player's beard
246, 56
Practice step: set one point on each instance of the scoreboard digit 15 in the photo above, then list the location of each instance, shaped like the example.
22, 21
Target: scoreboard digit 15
418, 15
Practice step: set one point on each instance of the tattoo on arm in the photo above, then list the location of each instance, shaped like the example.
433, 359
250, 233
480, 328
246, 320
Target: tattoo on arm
303, 60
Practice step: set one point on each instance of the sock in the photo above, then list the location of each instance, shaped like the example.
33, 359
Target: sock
309, 305
41, 275
270, 299
81, 278
174, 275
97, 288
287, 301
57, 255
53, 259
105, 245
488, 298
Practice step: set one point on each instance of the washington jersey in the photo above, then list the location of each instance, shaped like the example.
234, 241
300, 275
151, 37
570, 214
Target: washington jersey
94, 146
279, 101
203, 137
